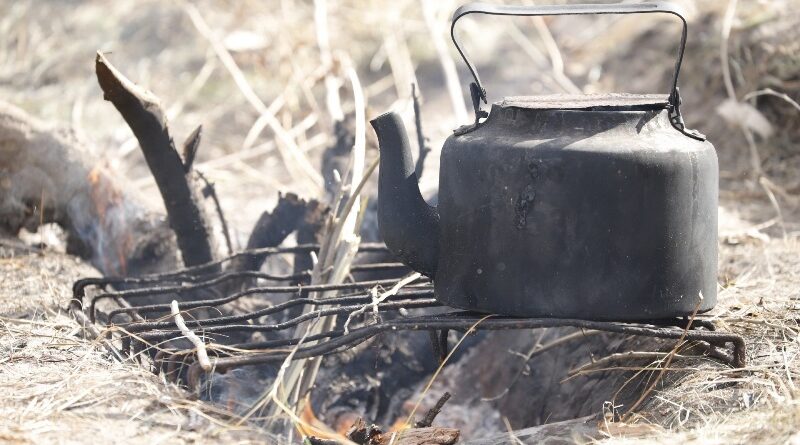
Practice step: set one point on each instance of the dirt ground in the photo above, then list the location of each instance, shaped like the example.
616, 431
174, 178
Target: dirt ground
59, 388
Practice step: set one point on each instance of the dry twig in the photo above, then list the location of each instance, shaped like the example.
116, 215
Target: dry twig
433, 412
598, 365
376, 300
422, 141
202, 354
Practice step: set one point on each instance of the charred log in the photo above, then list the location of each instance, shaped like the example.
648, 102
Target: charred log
47, 175
273, 227
362, 434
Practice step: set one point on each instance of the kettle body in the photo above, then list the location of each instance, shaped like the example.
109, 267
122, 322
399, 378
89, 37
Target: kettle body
599, 207
596, 210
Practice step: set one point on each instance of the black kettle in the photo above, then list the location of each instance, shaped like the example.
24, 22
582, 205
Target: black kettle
600, 207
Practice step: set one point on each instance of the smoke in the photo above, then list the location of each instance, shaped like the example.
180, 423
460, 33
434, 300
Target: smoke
238, 389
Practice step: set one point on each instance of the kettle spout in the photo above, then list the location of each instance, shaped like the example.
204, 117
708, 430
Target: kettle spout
408, 225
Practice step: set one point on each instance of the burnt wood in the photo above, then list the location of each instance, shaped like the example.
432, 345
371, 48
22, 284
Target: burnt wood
48, 175
181, 195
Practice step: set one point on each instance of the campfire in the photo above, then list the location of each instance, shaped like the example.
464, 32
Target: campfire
366, 308
218, 326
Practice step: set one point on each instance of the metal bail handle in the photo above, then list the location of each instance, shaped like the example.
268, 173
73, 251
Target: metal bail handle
579, 9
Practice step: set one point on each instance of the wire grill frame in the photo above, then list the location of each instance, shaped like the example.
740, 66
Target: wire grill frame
149, 335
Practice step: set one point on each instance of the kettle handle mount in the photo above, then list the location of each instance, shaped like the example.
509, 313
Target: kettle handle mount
479, 93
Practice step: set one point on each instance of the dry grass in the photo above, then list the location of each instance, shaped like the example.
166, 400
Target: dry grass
713, 404
59, 388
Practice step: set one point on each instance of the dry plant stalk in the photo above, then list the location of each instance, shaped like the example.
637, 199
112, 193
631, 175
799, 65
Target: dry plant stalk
337, 251
340, 239
448, 66
293, 157
556, 60
599, 365
727, 24
667, 361
332, 100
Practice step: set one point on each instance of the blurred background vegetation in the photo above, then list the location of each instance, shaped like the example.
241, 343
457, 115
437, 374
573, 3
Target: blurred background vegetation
186, 52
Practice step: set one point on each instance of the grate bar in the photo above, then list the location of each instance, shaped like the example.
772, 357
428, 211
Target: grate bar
464, 321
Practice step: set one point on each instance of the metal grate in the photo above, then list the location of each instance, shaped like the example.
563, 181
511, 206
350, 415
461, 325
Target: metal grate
133, 327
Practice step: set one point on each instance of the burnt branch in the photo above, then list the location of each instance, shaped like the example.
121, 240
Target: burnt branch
182, 199
311, 440
433, 412
209, 191
362, 434
190, 147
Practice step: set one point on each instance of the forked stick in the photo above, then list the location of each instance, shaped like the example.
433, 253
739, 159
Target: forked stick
182, 199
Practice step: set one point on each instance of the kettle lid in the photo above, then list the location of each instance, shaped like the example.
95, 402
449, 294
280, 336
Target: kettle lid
593, 102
